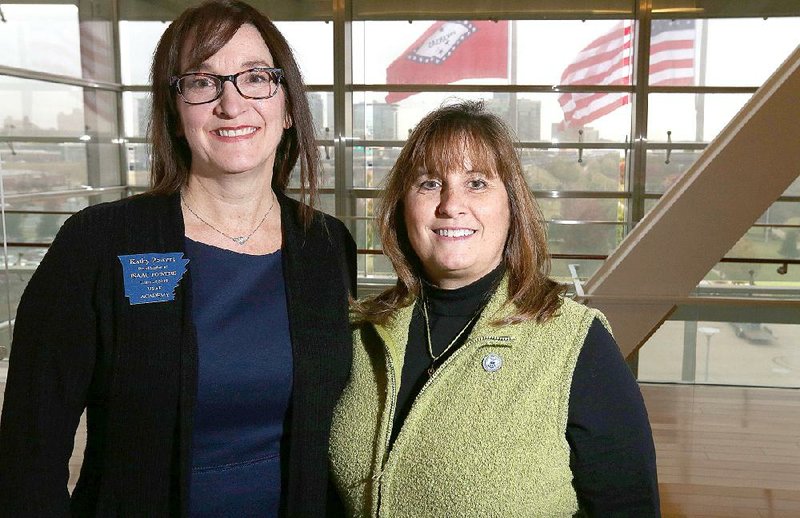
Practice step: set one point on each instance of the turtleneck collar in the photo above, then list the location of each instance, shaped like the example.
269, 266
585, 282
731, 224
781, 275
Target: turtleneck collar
463, 301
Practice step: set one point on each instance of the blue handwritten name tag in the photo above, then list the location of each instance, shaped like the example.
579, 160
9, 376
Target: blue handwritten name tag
152, 277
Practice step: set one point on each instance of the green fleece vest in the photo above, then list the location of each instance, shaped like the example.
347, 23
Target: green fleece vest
479, 440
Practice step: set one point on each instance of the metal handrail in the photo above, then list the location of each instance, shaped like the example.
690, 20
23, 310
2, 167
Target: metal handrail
576, 281
87, 191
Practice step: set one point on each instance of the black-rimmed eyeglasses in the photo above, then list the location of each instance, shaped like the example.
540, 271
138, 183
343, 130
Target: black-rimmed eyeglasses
202, 87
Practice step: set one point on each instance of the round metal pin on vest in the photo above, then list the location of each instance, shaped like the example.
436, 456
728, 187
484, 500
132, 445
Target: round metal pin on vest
492, 362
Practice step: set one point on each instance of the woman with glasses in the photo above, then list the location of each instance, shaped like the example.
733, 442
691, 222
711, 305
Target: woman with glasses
202, 324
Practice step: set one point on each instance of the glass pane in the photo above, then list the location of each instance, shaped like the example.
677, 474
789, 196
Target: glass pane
69, 205
760, 275
50, 38
370, 265
375, 266
326, 203
40, 167
312, 44
583, 209
782, 213
41, 37
584, 268
539, 117
321, 105
100, 114
34, 227
30, 167
371, 165
103, 161
97, 45
585, 238
327, 172
794, 189
660, 175
138, 160
733, 60
37, 108
731, 353
764, 243
136, 107
760, 243
559, 169
137, 43
600, 236
366, 234
21, 264
691, 117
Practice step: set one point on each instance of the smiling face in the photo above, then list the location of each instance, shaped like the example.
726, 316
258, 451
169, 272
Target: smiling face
234, 135
457, 223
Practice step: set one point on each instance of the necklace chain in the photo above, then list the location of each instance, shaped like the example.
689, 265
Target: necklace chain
239, 240
435, 357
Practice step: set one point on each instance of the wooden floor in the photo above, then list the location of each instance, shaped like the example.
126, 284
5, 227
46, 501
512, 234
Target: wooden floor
726, 451
723, 452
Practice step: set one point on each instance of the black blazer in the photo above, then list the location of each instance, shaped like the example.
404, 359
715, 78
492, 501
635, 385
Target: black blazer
78, 342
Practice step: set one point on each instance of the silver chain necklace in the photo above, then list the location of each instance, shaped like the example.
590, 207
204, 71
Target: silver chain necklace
239, 240
436, 357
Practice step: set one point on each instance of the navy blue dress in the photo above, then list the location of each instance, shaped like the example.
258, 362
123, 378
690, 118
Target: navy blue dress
244, 384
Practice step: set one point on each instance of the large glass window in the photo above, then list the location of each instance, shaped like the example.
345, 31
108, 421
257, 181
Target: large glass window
75, 102
41, 37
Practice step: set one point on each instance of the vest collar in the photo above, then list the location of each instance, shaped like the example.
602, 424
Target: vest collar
394, 333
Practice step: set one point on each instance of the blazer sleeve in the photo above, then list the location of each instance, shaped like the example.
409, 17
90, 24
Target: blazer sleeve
613, 459
50, 369
348, 256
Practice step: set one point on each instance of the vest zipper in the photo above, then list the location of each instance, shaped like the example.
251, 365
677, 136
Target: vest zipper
390, 367
378, 477
489, 338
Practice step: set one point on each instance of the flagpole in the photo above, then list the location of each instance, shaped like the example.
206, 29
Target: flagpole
699, 99
512, 76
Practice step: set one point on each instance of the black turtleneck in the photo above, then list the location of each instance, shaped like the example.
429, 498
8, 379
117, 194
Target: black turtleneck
613, 461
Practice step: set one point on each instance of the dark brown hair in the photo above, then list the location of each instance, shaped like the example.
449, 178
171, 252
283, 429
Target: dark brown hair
217, 21
438, 144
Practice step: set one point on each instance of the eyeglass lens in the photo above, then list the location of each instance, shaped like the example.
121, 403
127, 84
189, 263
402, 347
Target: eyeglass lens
201, 88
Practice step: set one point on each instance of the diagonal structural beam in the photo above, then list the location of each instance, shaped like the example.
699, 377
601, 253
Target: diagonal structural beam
698, 220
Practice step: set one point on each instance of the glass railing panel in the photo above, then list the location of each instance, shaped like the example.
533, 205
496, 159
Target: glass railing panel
742, 352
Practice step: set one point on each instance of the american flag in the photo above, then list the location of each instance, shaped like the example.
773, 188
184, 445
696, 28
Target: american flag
607, 61
672, 53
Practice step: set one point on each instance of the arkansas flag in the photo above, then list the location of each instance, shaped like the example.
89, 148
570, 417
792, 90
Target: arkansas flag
450, 51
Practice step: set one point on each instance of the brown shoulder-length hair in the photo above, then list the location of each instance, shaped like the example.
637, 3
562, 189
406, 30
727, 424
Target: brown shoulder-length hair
207, 28
437, 146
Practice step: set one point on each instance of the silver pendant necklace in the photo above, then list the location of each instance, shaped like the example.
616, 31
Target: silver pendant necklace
436, 357
239, 240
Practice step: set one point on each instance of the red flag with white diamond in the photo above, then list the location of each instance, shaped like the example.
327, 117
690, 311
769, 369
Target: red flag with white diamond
450, 51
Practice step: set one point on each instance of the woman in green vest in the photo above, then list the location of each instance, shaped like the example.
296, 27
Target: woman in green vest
476, 388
